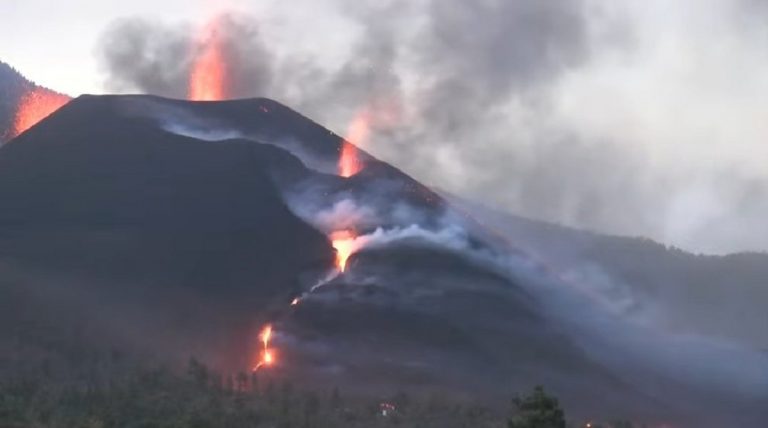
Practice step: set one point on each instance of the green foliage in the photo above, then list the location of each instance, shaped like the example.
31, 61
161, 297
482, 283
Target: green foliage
197, 396
112, 392
538, 410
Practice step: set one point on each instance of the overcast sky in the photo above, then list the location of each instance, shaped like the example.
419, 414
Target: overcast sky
638, 117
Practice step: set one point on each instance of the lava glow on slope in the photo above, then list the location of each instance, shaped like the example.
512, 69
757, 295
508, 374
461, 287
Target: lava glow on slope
357, 134
267, 356
343, 242
208, 79
348, 162
34, 106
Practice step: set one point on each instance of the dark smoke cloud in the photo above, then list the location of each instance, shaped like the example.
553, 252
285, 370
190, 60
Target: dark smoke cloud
144, 56
469, 58
139, 55
368, 79
461, 95
477, 55
467, 61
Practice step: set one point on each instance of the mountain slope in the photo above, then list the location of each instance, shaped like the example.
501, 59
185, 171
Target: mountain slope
140, 215
710, 295
173, 229
12, 86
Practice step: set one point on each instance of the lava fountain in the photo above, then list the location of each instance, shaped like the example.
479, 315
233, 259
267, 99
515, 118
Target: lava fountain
357, 134
344, 242
267, 357
208, 79
34, 106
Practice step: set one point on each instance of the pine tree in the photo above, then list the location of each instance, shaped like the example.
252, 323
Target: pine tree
537, 410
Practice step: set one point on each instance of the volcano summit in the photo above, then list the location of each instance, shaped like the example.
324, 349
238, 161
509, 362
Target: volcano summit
224, 230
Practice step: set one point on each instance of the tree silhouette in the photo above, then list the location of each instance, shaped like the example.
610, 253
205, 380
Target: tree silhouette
537, 410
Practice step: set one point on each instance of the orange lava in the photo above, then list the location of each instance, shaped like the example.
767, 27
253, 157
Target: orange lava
343, 242
34, 106
349, 164
357, 135
267, 355
266, 335
208, 79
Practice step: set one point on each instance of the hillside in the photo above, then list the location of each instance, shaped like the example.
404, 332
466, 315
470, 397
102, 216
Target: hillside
167, 229
711, 295
12, 85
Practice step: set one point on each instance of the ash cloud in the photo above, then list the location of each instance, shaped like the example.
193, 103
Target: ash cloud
144, 56
469, 96
448, 78
140, 55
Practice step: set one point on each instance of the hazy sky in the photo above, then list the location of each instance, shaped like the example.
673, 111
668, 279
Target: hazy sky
637, 117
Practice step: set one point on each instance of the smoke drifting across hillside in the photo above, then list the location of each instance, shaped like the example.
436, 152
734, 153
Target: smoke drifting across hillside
485, 94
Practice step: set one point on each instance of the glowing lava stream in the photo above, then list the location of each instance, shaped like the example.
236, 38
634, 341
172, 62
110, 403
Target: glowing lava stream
34, 106
208, 79
267, 356
357, 134
343, 242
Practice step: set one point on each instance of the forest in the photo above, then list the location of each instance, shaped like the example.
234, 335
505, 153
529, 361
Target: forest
113, 391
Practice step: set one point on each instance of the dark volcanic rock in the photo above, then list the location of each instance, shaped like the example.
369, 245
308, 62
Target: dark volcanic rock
91, 191
195, 230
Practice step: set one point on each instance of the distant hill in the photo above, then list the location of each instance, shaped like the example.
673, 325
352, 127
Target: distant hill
12, 86
722, 296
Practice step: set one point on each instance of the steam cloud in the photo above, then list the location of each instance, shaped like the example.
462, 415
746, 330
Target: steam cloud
479, 90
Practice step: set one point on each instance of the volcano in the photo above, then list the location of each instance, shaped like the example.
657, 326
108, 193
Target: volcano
175, 228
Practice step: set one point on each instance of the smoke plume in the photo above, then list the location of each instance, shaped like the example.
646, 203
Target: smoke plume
510, 102
144, 56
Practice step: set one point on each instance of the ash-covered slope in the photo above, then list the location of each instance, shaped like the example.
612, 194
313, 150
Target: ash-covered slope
156, 230
181, 228
96, 192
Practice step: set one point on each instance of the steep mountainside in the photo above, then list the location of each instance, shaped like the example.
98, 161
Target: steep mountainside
177, 229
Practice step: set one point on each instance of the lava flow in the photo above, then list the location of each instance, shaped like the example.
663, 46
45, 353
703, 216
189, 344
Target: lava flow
208, 79
267, 357
34, 106
343, 242
357, 134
